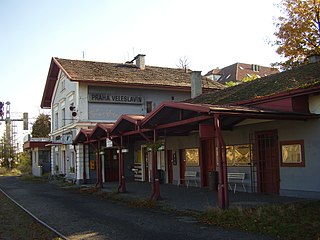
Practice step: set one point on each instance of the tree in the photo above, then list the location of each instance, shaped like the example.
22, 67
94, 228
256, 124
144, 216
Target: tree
297, 32
41, 127
183, 63
6, 152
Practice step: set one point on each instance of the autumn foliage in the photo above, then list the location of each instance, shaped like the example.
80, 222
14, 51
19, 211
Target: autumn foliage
298, 32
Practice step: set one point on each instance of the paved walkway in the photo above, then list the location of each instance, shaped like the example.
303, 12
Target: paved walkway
195, 198
86, 217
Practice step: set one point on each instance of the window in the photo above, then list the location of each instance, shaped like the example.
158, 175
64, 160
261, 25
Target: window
292, 153
63, 113
56, 120
255, 68
63, 85
149, 106
239, 155
192, 157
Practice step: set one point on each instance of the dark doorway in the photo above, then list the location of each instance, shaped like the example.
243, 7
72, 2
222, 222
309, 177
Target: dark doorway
267, 162
111, 165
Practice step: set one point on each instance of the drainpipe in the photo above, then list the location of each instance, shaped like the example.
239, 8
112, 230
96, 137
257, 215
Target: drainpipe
223, 196
84, 172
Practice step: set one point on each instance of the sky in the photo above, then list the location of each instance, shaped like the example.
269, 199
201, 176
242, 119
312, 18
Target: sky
209, 33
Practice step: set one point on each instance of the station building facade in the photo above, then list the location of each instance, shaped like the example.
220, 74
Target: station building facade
267, 129
81, 94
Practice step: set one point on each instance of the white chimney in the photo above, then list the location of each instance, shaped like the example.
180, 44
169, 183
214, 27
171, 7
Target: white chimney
196, 84
140, 62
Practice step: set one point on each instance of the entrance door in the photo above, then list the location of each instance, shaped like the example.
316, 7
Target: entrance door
170, 166
111, 164
267, 162
182, 161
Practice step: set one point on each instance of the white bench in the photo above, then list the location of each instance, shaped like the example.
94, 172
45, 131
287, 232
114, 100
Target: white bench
234, 178
189, 176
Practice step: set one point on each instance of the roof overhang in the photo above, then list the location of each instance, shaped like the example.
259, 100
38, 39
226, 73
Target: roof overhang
182, 118
82, 136
101, 130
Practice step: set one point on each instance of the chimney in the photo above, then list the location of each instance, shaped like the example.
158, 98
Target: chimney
196, 84
140, 63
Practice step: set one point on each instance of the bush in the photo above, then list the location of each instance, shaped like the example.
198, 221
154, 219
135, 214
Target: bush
3, 171
25, 165
25, 169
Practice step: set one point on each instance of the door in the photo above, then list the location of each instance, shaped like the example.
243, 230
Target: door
182, 161
170, 166
267, 162
111, 164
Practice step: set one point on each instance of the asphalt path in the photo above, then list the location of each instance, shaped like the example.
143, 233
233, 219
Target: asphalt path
80, 216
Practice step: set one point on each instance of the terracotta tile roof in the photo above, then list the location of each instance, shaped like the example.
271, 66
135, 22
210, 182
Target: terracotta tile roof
237, 71
304, 77
129, 74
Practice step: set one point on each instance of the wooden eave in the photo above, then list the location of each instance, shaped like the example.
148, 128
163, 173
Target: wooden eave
101, 131
126, 123
279, 96
82, 136
34, 144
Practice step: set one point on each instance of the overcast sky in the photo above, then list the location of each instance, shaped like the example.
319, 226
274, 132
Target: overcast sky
210, 33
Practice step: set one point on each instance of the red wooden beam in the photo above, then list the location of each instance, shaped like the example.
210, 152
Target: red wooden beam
184, 122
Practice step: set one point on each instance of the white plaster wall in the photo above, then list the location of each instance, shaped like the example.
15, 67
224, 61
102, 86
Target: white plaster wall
294, 180
112, 111
182, 142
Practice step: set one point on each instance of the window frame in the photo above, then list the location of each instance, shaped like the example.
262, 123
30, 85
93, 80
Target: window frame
195, 154
302, 153
234, 161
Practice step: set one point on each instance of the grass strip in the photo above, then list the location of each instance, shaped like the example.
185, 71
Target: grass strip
285, 221
16, 224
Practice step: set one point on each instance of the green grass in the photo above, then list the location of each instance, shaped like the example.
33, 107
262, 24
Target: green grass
16, 224
285, 221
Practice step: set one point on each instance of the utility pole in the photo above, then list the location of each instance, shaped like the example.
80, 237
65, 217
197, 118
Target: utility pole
9, 140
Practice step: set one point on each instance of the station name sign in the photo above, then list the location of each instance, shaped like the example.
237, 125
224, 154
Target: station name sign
110, 98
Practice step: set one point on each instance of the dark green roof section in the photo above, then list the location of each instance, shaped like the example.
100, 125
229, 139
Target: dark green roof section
307, 76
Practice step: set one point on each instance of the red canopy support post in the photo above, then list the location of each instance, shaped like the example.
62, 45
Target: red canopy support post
223, 195
155, 175
84, 172
122, 180
99, 183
